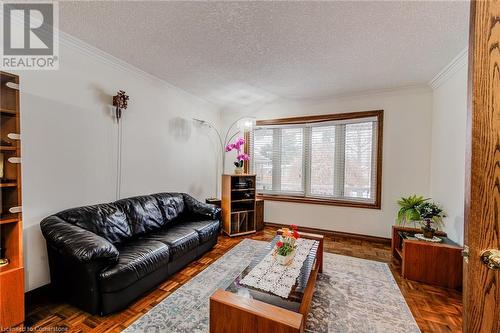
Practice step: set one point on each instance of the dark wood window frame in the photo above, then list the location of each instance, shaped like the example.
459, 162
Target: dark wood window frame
379, 114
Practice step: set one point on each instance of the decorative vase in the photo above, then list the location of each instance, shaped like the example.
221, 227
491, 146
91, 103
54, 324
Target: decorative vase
238, 170
285, 260
427, 229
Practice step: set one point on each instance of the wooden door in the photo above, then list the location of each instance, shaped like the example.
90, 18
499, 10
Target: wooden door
482, 202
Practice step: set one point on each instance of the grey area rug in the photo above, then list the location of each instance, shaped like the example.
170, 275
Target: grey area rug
352, 295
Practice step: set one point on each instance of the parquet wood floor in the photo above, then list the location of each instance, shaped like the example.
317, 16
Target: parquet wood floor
435, 309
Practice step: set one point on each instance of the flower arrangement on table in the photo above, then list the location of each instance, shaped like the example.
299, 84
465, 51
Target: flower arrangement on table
240, 157
285, 247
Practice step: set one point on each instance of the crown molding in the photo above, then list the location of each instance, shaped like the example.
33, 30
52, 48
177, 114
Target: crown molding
408, 89
457, 63
416, 88
84, 48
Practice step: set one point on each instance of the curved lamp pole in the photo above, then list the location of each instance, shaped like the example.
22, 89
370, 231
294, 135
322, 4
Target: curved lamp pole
245, 124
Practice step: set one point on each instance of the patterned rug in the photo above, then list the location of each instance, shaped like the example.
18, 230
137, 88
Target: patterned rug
352, 295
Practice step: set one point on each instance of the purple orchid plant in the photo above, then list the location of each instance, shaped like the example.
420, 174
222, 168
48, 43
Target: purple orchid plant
241, 157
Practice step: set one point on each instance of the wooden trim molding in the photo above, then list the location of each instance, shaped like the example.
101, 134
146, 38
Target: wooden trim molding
322, 118
318, 201
332, 233
246, 150
380, 141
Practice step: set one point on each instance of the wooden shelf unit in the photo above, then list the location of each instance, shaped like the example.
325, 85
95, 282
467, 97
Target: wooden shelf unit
11, 230
433, 263
238, 204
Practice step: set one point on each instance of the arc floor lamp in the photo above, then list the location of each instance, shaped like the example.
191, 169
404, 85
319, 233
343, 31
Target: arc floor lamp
243, 124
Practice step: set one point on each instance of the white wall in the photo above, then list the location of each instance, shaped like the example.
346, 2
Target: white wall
406, 158
448, 148
69, 141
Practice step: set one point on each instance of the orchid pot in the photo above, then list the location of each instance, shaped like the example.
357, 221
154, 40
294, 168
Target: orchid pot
427, 230
432, 216
240, 157
238, 170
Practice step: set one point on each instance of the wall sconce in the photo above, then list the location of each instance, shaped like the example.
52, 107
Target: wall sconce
120, 100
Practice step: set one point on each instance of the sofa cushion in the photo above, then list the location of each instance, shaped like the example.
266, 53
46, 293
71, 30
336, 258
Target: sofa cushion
143, 214
105, 220
172, 206
179, 238
205, 229
137, 259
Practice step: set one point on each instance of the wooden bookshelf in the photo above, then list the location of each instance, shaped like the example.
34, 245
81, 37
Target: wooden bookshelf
11, 230
238, 204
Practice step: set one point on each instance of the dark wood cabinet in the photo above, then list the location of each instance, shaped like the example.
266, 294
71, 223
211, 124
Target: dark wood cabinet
433, 263
238, 204
259, 214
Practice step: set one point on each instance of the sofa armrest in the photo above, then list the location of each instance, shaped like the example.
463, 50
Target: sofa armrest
198, 208
76, 242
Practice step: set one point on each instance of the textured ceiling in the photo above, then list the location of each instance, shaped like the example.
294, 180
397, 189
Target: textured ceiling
245, 52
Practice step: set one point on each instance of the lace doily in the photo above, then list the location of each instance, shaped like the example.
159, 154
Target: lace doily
433, 239
270, 276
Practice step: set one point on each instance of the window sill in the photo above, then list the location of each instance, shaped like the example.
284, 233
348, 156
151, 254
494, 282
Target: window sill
318, 201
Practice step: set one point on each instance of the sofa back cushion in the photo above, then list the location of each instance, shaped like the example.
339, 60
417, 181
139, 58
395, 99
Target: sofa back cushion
105, 220
143, 213
126, 218
172, 206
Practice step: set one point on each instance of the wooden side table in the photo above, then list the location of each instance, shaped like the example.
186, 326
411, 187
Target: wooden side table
433, 263
213, 201
259, 214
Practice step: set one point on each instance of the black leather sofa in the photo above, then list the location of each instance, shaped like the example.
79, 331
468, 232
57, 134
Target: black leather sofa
102, 257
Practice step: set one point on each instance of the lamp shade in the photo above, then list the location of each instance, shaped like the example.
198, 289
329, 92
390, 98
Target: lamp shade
246, 124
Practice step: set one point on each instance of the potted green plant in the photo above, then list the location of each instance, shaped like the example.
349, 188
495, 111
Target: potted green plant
432, 215
408, 209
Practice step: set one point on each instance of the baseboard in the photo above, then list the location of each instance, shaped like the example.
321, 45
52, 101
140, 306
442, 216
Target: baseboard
38, 295
375, 239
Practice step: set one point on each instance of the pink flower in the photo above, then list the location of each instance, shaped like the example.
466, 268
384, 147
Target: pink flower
243, 157
238, 143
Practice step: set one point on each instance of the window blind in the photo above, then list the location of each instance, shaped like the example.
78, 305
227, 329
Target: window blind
327, 160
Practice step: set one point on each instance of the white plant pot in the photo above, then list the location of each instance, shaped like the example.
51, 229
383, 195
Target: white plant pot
285, 260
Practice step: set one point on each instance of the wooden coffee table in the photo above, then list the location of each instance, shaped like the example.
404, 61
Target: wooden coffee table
247, 310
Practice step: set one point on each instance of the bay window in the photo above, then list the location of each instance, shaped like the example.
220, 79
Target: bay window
329, 159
